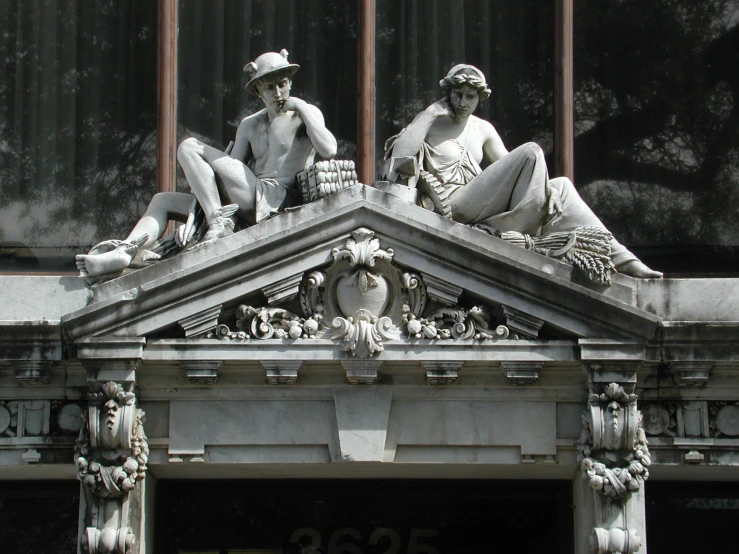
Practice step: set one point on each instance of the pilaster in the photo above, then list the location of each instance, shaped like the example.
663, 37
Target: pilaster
614, 458
111, 455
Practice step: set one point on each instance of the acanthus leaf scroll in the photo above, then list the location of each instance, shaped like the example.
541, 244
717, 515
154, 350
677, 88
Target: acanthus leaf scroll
361, 300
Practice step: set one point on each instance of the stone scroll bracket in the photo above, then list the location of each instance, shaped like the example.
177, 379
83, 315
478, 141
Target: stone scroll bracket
111, 453
614, 456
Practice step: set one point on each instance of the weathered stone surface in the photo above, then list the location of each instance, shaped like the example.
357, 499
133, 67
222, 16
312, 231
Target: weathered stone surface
247, 262
362, 417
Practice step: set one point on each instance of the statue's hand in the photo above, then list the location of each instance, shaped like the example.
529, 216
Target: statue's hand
554, 204
182, 236
441, 108
293, 104
184, 233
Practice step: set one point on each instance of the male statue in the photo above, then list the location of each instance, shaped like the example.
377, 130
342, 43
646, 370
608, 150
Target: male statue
279, 139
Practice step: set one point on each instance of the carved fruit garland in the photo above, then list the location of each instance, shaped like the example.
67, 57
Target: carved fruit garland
119, 475
614, 456
361, 300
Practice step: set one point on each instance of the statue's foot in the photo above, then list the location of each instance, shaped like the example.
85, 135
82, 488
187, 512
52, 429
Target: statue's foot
213, 234
220, 225
93, 265
637, 269
109, 256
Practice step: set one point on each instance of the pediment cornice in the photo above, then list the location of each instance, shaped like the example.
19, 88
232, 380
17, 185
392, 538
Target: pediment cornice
272, 258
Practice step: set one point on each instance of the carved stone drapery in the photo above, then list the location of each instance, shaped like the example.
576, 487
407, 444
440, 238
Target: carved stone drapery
111, 456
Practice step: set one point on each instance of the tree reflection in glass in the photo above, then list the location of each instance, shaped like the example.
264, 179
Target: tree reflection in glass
657, 127
77, 126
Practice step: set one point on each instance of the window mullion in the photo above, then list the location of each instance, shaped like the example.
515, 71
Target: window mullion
564, 117
167, 90
366, 111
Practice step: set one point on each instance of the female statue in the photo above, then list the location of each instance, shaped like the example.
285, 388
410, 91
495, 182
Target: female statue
514, 193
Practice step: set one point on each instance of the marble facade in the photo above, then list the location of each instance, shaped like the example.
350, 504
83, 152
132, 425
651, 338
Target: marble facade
482, 360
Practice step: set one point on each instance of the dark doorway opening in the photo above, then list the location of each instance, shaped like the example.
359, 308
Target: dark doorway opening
39, 517
692, 517
363, 517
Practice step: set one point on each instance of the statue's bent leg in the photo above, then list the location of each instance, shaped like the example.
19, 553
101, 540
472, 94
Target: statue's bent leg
510, 195
576, 213
163, 206
239, 185
201, 164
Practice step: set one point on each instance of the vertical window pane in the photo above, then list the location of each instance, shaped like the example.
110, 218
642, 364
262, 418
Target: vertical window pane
418, 41
656, 120
217, 38
77, 126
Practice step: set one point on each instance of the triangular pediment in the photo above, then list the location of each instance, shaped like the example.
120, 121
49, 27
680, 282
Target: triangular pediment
459, 266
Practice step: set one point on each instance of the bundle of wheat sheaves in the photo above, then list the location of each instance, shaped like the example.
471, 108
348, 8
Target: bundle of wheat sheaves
587, 248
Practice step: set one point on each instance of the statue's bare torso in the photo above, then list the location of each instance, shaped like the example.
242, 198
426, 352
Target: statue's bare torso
279, 147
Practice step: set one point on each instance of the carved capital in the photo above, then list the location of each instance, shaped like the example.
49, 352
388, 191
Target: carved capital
622, 372
100, 372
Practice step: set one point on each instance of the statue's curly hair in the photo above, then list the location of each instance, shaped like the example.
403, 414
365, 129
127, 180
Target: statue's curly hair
465, 75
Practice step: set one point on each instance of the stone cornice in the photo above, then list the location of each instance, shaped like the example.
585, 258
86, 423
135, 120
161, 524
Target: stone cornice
143, 302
